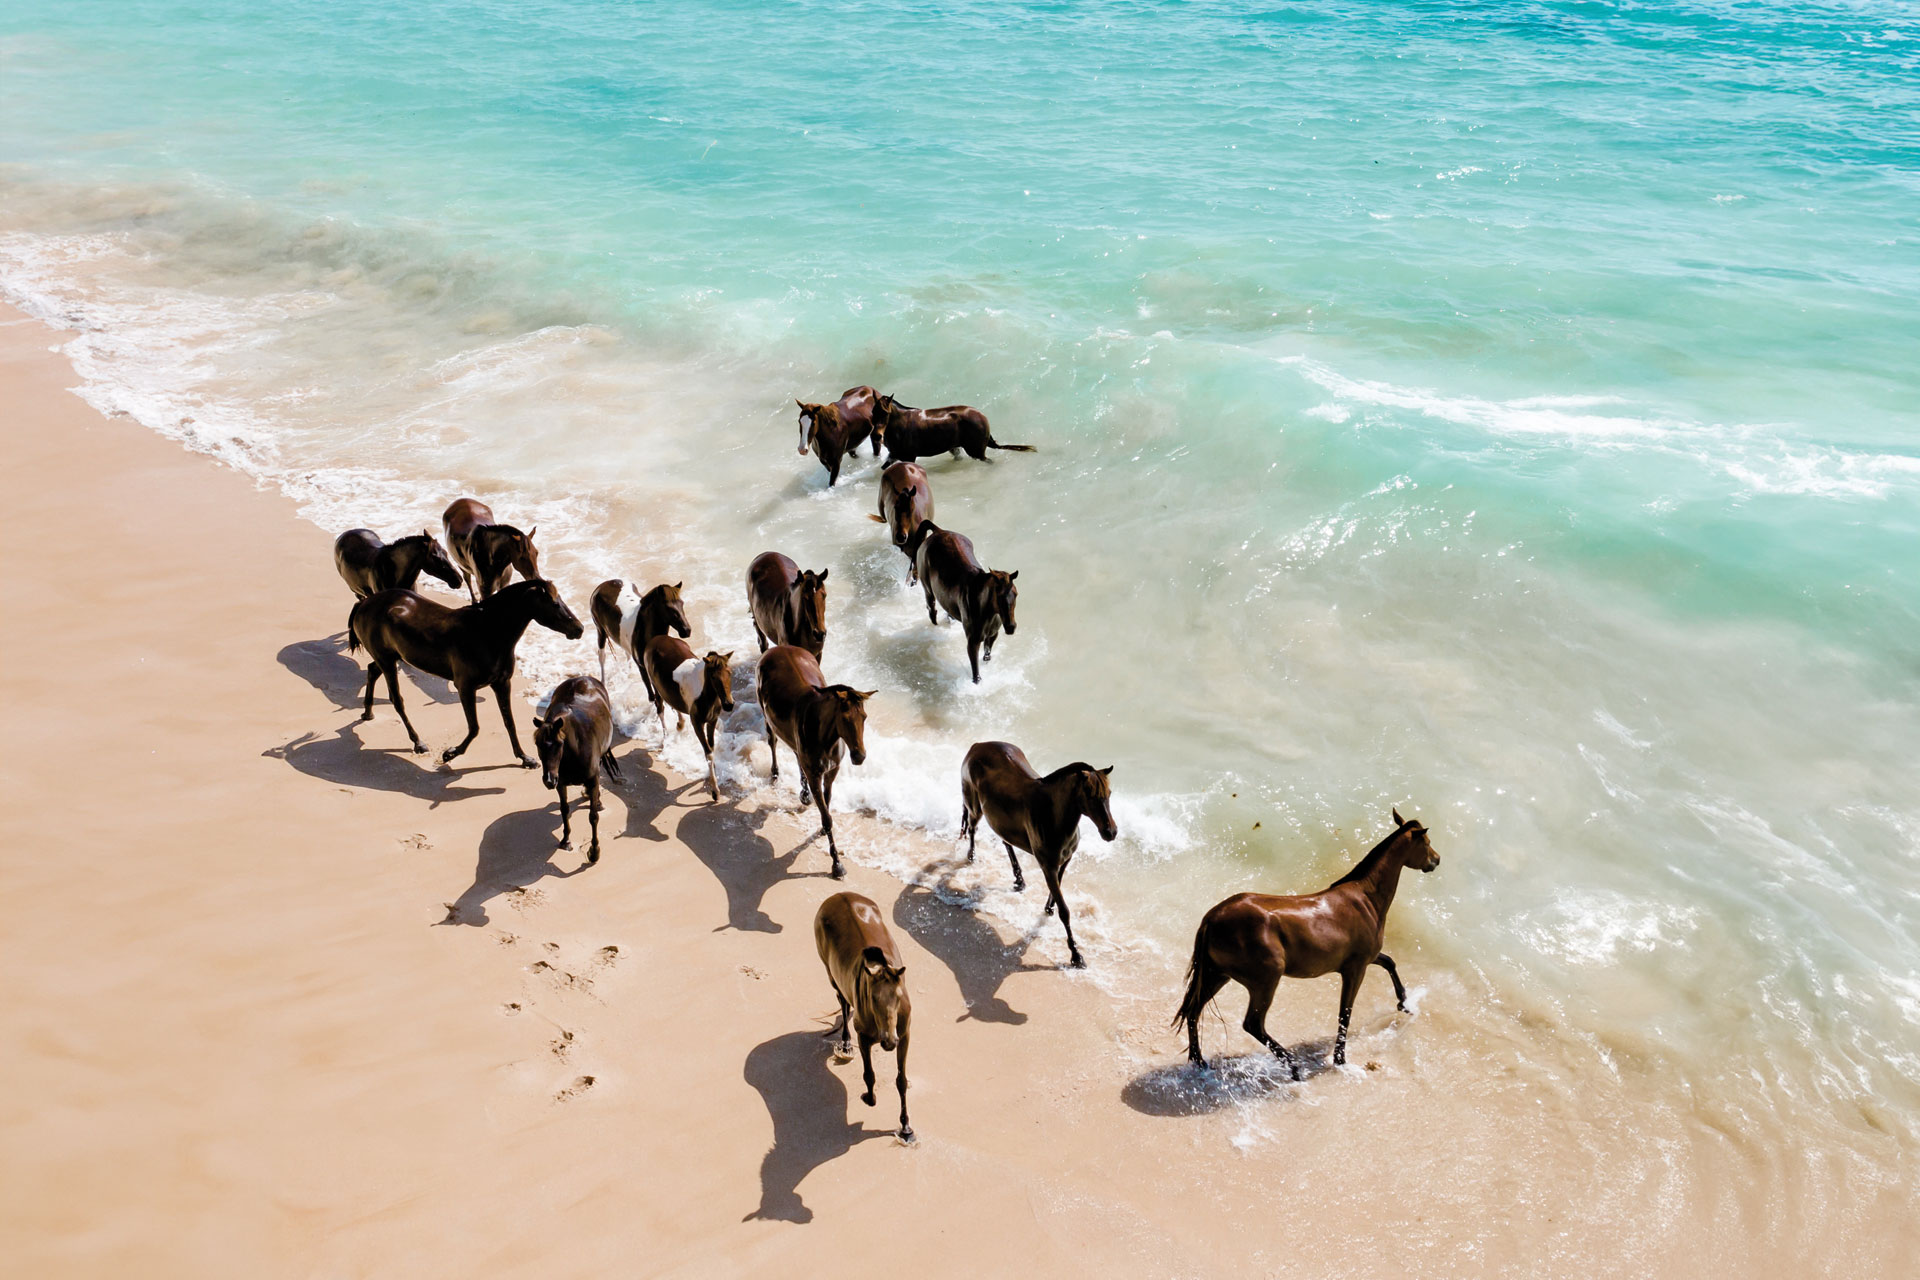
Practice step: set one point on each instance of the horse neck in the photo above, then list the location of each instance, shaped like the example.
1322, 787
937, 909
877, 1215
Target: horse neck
1063, 800
1378, 875
653, 622
404, 560
505, 616
821, 717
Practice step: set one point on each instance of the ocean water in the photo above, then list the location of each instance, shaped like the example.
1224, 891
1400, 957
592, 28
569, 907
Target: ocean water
1506, 411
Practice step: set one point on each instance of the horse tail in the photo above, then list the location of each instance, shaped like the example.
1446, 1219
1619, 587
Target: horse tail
353, 639
1010, 448
1199, 969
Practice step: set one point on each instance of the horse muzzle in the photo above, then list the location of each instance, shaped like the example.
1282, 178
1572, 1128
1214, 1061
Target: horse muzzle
887, 1043
858, 757
548, 780
1109, 833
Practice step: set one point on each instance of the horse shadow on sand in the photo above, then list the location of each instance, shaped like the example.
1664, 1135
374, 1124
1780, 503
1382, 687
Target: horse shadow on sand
808, 1105
324, 664
729, 844
342, 759
1183, 1089
947, 926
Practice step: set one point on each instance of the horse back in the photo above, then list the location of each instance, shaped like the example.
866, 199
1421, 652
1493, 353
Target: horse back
605, 608
583, 701
402, 623
465, 515
356, 555
1306, 935
1007, 787
844, 927
665, 654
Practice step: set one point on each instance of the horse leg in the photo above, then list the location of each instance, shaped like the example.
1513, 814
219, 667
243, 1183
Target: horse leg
969, 819
566, 822
603, 656
1350, 979
1259, 1000
932, 617
973, 656
1207, 984
392, 670
503, 692
759, 635
467, 705
840, 1032
900, 1083
593, 817
703, 730
1385, 961
773, 755
467, 577
822, 799
373, 677
1013, 860
866, 1066
1052, 873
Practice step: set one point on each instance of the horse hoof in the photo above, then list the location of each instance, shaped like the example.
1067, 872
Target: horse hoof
906, 1133
1079, 961
867, 1097
593, 855
838, 872
366, 717
526, 763
419, 748
566, 844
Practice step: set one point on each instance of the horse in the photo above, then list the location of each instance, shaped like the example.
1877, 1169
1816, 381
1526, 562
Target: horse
486, 552
575, 742
1040, 815
906, 502
817, 721
473, 647
634, 625
869, 981
788, 604
1257, 938
839, 429
368, 565
698, 688
911, 434
982, 599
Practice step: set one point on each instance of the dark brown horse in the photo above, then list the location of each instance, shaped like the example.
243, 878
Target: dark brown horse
700, 689
906, 502
473, 647
1257, 938
634, 622
368, 565
788, 604
870, 983
913, 434
1040, 815
575, 742
817, 721
838, 429
982, 599
486, 552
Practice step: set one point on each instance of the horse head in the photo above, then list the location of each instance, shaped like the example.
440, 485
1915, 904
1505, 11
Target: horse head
436, 561
1002, 595
550, 744
849, 717
1418, 851
719, 675
526, 557
550, 611
810, 607
809, 423
1096, 795
879, 988
671, 610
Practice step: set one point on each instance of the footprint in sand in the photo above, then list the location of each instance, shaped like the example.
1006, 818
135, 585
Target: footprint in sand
608, 955
523, 898
563, 1046
551, 947
507, 939
560, 977
416, 842
580, 1085
510, 1008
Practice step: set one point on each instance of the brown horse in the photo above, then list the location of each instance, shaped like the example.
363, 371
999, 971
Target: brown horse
575, 742
368, 565
473, 647
1040, 815
698, 688
486, 552
635, 622
913, 434
788, 604
870, 983
982, 599
1257, 938
817, 721
838, 429
906, 503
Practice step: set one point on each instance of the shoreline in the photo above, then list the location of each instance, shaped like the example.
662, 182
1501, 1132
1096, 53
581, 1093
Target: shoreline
246, 1038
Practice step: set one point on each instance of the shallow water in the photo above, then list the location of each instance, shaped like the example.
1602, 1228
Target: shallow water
1504, 411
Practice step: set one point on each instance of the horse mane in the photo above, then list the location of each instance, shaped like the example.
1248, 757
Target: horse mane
411, 538
1367, 864
1066, 769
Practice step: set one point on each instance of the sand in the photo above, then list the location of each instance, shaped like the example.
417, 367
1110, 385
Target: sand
285, 999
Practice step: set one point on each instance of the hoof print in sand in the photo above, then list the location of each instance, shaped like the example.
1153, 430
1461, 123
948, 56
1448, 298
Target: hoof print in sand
416, 842
510, 1008
580, 1085
564, 1045
560, 977
608, 955
522, 898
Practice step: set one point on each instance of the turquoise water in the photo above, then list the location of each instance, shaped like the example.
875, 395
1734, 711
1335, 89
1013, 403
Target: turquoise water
1508, 411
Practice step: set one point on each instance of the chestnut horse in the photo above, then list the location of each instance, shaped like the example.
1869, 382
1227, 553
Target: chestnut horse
575, 742
906, 503
1040, 815
473, 647
982, 599
869, 981
788, 604
913, 434
368, 565
838, 429
633, 623
1256, 939
486, 552
817, 721
698, 688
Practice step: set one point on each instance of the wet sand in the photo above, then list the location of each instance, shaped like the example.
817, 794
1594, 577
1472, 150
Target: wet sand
286, 999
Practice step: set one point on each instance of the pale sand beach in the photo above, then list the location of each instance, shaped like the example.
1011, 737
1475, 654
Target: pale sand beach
285, 999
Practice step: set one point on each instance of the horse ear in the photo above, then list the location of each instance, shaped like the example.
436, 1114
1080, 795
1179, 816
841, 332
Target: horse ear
727, 657
679, 584
876, 959
823, 574
531, 532
1106, 771
1013, 575
897, 973
864, 696
1398, 821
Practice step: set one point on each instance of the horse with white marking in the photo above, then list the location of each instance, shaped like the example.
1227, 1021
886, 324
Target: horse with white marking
699, 689
632, 621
